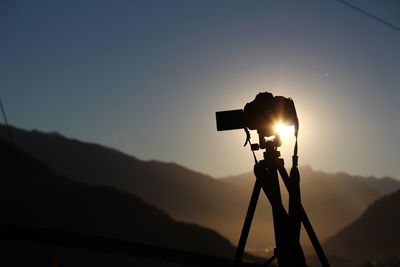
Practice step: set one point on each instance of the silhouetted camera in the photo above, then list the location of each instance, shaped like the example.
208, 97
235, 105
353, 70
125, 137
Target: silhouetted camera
261, 114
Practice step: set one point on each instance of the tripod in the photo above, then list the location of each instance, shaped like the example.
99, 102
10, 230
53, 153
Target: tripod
287, 225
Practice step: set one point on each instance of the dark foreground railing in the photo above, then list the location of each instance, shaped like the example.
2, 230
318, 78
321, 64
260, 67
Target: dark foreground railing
56, 237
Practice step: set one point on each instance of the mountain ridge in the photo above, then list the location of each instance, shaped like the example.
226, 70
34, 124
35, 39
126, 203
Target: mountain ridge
32, 194
331, 200
374, 235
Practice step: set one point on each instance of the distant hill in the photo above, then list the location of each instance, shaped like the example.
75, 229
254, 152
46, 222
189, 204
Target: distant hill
332, 200
184, 194
32, 194
374, 235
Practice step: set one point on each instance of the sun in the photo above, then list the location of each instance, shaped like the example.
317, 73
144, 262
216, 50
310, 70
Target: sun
284, 130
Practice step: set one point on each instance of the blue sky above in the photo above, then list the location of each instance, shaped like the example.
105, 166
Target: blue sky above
146, 77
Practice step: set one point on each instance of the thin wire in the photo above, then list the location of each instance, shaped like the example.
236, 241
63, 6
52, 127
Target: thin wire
16, 158
6, 122
372, 16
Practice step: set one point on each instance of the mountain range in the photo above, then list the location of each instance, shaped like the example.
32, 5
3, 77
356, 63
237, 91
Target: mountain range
332, 201
375, 235
34, 195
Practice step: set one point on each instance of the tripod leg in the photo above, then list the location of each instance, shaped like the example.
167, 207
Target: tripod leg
247, 222
306, 222
270, 185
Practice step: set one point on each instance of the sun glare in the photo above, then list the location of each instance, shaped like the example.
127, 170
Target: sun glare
284, 130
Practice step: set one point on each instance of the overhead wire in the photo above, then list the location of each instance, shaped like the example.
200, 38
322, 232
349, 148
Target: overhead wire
3, 112
15, 155
370, 15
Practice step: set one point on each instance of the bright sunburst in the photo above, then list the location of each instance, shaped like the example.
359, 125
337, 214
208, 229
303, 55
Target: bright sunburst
284, 130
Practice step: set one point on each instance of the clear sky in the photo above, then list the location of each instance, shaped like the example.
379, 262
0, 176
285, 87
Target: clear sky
146, 77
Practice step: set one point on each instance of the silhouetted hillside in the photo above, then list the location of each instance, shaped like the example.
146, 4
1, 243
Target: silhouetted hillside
375, 235
332, 200
184, 194
33, 194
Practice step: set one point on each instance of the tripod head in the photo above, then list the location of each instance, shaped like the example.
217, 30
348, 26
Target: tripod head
263, 143
270, 145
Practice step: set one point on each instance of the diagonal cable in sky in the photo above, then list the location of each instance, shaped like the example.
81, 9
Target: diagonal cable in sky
3, 112
370, 15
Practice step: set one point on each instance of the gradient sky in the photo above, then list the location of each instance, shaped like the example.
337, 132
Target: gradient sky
146, 77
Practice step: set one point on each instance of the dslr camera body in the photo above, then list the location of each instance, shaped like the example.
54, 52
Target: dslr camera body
261, 114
